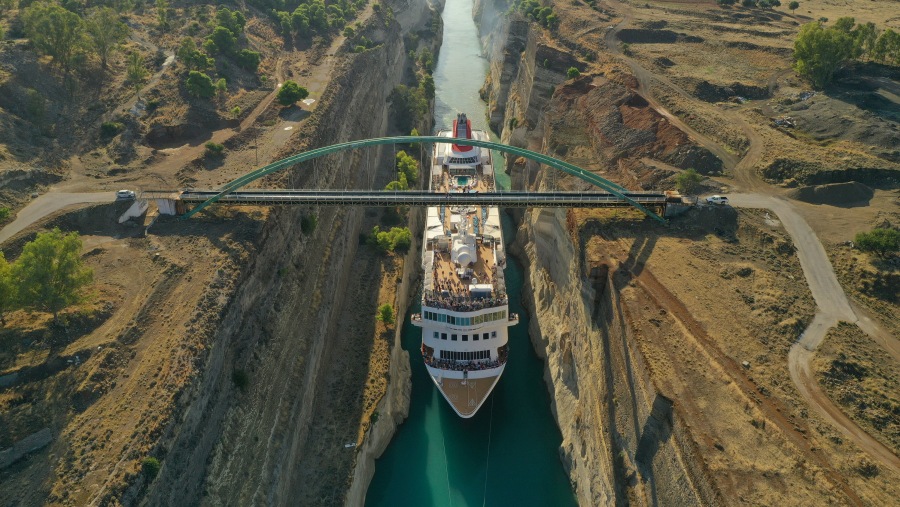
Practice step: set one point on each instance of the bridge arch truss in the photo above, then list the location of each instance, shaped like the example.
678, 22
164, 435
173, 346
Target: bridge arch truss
557, 164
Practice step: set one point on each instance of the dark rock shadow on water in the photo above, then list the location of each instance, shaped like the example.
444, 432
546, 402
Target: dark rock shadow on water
411, 446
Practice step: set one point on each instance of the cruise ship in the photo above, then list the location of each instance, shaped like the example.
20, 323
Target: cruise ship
465, 308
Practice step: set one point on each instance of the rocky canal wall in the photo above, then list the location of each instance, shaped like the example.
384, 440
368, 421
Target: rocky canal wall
243, 447
623, 442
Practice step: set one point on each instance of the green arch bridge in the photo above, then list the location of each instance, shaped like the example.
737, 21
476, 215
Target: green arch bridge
624, 196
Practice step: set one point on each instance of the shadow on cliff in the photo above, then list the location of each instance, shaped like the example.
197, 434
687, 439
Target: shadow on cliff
643, 233
656, 431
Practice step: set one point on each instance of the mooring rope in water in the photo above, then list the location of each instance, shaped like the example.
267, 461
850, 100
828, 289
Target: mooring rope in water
487, 460
446, 468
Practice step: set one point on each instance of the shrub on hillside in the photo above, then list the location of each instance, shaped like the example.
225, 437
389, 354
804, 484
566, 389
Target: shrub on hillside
688, 182
290, 93
150, 467
214, 149
110, 128
396, 239
247, 59
200, 85
50, 273
385, 314
882, 242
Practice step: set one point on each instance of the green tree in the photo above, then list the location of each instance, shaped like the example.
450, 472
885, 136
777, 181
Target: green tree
407, 166
887, 47
7, 289
221, 88
200, 85
385, 314
214, 150
135, 71
162, 13
426, 60
688, 182
572, 73
882, 242
150, 467
35, 106
193, 58
401, 183
865, 35
793, 6
55, 31
50, 273
221, 40
819, 52
845, 24
427, 85
105, 33
234, 21
290, 93
409, 105
248, 59
8, 5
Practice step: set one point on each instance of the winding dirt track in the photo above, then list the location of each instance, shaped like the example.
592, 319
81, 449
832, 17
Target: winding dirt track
832, 307
47, 204
831, 301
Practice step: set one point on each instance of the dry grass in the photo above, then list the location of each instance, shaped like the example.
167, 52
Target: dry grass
863, 379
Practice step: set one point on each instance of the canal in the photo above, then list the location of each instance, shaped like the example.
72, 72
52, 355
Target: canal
508, 454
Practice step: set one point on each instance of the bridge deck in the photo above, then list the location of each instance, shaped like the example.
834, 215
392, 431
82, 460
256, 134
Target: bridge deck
418, 198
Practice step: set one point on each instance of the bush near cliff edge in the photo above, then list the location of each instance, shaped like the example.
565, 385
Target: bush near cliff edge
385, 314
396, 239
50, 274
290, 93
688, 182
882, 242
150, 467
820, 51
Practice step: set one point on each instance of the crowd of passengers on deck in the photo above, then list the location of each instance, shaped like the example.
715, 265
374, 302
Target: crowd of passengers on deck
462, 303
449, 364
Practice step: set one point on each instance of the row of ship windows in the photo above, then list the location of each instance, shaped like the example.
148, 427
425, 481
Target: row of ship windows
465, 337
464, 321
473, 355
468, 160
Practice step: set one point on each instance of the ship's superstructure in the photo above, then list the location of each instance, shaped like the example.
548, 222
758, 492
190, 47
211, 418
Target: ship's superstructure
465, 309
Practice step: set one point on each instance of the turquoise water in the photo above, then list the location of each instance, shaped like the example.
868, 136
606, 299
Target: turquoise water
508, 454
462, 181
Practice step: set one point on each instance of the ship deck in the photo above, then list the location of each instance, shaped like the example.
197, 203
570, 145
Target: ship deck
446, 277
445, 274
466, 398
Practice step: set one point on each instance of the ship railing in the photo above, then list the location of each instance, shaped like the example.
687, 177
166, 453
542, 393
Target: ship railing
464, 304
454, 365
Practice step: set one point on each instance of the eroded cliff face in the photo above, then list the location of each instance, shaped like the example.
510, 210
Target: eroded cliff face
622, 440
243, 448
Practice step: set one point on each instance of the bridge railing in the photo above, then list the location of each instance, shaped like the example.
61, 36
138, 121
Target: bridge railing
566, 167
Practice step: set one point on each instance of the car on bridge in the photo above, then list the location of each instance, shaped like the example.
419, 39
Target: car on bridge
122, 195
717, 199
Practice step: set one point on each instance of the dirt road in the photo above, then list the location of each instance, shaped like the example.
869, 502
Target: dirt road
832, 307
48, 203
831, 301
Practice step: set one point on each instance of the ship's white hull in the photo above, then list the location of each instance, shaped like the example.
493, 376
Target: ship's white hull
465, 313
